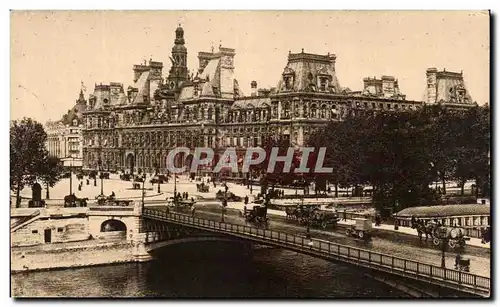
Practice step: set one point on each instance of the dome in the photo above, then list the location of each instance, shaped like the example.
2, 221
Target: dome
179, 36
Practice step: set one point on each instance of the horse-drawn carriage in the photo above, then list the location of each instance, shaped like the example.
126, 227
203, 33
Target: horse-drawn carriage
361, 229
181, 205
138, 180
104, 176
258, 215
92, 174
312, 214
103, 200
455, 236
125, 177
202, 187
73, 201
159, 179
229, 196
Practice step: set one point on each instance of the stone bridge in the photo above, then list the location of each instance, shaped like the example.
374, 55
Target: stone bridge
162, 226
149, 229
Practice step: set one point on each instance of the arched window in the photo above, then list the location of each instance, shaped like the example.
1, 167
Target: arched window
195, 113
314, 111
323, 111
286, 110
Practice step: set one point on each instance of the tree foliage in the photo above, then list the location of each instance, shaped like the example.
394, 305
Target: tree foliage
51, 172
29, 160
401, 153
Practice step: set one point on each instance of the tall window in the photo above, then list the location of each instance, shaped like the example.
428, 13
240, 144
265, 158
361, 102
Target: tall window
314, 111
210, 113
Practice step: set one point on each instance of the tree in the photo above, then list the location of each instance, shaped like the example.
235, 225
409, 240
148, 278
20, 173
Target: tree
27, 154
51, 172
472, 149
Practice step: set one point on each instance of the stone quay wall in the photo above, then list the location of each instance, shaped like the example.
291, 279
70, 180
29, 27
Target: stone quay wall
86, 254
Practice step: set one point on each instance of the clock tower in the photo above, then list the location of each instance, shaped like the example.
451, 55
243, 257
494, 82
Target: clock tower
178, 72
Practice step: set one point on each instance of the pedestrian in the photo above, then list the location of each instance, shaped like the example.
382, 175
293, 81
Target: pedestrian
345, 215
246, 199
457, 261
193, 210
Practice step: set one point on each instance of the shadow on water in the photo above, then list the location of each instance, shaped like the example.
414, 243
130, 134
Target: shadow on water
210, 270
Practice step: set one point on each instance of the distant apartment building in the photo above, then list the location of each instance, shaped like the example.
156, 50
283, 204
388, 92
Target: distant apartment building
64, 137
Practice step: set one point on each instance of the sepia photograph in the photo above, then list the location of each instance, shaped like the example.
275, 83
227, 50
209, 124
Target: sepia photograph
250, 154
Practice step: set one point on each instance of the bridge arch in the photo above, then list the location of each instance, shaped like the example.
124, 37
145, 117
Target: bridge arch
112, 229
151, 247
113, 225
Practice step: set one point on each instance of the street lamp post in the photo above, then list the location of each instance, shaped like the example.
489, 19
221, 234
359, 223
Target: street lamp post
70, 180
143, 193
444, 242
175, 188
99, 162
224, 202
158, 175
308, 229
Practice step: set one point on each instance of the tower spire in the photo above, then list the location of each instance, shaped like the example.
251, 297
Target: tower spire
178, 72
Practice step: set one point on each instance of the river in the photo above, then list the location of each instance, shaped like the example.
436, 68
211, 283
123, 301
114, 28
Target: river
210, 270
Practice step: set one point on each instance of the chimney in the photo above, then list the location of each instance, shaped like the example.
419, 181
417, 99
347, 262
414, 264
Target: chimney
253, 85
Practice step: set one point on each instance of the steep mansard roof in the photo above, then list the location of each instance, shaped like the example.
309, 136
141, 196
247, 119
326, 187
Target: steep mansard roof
305, 68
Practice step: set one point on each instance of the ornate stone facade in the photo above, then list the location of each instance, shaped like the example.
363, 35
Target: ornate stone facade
447, 88
64, 137
208, 109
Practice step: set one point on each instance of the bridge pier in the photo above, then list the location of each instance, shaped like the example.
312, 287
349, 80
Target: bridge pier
140, 253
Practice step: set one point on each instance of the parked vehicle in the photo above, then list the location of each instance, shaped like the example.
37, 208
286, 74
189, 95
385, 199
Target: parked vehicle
202, 187
258, 215
361, 229
159, 178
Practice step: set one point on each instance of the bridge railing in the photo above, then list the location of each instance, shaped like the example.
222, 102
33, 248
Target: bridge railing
352, 254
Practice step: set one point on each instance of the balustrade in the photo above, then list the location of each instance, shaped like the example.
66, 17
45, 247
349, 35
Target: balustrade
325, 248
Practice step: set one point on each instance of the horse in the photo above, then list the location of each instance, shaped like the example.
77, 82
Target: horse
291, 213
424, 228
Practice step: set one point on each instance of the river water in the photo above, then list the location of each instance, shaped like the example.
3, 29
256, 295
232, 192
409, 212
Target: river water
207, 269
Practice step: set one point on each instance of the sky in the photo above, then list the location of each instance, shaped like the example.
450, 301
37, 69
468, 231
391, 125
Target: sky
52, 53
